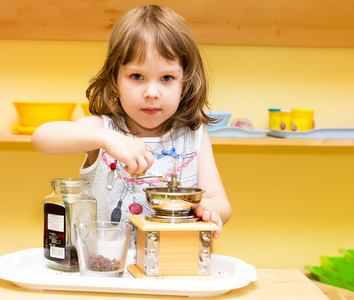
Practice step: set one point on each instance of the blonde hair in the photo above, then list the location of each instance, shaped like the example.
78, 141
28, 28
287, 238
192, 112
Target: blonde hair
162, 29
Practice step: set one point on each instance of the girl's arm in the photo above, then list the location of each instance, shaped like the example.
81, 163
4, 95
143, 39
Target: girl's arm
88, 135
215, 206
64, 137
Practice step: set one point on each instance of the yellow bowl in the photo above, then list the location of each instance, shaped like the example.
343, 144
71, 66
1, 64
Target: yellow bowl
23, 129
33, 114
85, 107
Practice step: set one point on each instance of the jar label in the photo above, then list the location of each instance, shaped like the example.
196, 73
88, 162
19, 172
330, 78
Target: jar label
54, 231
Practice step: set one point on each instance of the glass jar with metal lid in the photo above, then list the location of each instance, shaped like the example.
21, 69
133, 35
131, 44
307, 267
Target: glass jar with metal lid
69, 203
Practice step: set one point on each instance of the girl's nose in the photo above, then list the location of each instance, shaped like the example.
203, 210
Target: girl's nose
152, 91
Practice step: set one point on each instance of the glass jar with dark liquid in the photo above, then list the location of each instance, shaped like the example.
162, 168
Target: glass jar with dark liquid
69, 203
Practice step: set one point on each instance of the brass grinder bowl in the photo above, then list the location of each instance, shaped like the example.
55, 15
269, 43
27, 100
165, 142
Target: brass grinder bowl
173, 204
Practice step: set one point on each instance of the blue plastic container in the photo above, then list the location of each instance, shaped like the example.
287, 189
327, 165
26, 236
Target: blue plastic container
224, 116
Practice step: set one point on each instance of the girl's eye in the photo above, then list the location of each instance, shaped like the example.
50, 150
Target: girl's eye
167, 78
137, 76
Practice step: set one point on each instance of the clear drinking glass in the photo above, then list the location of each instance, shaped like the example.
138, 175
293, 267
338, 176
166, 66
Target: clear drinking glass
102, 247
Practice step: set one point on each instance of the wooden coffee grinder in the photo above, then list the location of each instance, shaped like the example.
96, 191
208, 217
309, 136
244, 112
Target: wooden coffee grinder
173, 241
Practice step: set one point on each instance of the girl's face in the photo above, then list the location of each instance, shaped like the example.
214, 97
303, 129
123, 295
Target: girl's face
149, 92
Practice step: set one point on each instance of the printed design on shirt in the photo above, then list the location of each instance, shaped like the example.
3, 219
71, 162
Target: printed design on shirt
185, 180
110, 181
116, 214
135, 196
171, 153
185, 165
114, 170
135, 208
167, 176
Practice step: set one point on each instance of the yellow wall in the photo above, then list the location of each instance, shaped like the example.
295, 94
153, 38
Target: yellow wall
290, 204
244, 80
249, 80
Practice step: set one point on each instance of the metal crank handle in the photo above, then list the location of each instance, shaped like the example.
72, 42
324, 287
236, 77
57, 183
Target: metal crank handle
138, 176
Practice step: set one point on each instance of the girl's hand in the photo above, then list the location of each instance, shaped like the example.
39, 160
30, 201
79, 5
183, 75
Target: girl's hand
132, 152
208, 212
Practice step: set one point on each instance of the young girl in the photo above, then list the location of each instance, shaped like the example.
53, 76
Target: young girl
147, 104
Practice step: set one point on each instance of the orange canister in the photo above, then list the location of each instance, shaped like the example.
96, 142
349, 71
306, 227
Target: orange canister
302, 119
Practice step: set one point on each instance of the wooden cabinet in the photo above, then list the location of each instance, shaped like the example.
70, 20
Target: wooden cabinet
326, 23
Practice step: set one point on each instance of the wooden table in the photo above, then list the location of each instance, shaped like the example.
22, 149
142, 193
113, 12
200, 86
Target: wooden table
272, 284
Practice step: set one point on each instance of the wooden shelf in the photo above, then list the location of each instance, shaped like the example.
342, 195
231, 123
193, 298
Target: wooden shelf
6, 136
324, 23
268, 141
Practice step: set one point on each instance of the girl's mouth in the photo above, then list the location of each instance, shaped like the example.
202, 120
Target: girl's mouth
151, 111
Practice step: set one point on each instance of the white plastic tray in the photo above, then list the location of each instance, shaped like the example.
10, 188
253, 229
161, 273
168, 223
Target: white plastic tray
27, 269
236, 132
318, 133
